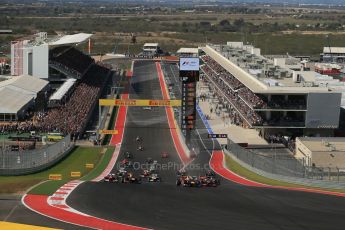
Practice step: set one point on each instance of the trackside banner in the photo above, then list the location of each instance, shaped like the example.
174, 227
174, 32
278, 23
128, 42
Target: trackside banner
129, 102
103, 131
55, 177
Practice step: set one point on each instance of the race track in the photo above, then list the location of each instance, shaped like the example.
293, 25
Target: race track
165, 206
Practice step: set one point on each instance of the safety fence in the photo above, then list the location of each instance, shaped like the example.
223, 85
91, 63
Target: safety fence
30, 161
285, 168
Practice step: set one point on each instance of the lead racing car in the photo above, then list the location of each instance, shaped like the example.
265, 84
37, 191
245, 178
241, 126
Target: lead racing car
209, 180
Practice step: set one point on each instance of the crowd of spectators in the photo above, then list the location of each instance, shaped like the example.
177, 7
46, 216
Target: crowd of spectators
70, 118
246, 94
250, 115
288, 141
221, 72
17, 127
251, 98
274, 138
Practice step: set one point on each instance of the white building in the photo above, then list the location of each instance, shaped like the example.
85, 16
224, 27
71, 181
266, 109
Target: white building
333, 54
32, 57
321, 151
151, 49
290, 101
18, 94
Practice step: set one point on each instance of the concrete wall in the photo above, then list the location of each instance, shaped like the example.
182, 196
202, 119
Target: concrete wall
303, 152
27, 54
40, 61
330, 159
238, 45
323, 110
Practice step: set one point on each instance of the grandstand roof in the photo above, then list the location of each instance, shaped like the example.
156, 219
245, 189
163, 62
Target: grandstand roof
151, 44
188, 51
25, 84
259, 85
71, 39
334, 50
63, 89
11, 101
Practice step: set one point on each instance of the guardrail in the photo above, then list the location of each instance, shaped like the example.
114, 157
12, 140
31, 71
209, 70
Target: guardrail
32, 161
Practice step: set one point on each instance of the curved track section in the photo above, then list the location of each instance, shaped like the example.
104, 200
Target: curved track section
165, 206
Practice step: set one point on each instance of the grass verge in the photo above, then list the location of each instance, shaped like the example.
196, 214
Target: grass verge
242, 171
111, 126
49, 187
75, 161
101, 166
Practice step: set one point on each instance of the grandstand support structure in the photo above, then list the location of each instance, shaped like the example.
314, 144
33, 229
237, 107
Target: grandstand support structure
63, 70
101, 122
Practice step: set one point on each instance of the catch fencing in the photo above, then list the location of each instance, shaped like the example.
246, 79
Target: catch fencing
273, 163
30, 161
285, 168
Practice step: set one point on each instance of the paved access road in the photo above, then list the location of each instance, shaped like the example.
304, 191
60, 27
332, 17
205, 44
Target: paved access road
165, 206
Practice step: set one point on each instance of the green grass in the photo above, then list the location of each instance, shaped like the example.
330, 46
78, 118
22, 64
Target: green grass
240, 170
111, 125
49, 187
270, 43
74, 162
101, 166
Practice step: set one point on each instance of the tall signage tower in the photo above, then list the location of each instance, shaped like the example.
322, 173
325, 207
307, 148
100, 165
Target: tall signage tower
189, 75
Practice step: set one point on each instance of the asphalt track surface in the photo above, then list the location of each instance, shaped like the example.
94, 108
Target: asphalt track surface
165, 206
12, 210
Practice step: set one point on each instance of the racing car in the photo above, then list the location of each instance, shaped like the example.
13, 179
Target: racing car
153, 166
165, 155
128, 155
209, 180
110, 177
130, 178
149, 160
145, 173
188, 181
210, 173
126, 163
115, 177
154, 177
138, 138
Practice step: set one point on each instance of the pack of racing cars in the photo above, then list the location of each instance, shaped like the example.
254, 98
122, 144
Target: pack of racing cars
150, 174
126, 174
207, 180
122, 177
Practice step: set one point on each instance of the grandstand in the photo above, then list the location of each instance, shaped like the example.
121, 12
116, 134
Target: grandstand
70, 61
275, 99
50, 58
75, 84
